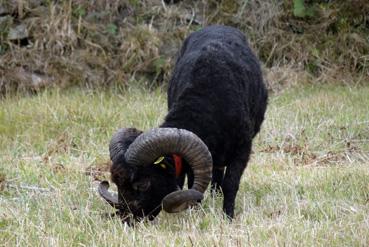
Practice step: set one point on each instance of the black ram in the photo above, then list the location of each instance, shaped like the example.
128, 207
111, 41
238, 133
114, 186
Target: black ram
216, 105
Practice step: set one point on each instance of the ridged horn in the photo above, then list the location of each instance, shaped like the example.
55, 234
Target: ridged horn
117, 148
161, 141
120, 142
180, 200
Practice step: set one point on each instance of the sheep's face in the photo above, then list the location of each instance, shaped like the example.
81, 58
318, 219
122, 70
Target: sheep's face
141, 189
145, 184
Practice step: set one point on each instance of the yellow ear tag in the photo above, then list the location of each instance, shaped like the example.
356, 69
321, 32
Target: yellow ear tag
160, 159
163, 166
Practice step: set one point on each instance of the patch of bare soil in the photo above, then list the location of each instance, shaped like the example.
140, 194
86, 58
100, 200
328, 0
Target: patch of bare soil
303, 155
2, 181
99, 171
62, 144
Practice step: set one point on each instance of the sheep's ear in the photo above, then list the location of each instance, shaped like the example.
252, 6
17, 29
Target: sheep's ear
142, 185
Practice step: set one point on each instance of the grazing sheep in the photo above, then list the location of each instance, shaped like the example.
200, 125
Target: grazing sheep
216, 105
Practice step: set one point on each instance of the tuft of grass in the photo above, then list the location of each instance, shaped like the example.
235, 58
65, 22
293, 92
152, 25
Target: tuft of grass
306, 183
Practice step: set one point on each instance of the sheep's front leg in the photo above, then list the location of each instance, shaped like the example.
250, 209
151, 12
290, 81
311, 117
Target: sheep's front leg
232, 179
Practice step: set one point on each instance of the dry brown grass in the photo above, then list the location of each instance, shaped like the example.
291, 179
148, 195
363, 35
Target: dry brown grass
101, 43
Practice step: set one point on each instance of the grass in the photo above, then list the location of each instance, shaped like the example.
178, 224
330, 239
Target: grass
307, 183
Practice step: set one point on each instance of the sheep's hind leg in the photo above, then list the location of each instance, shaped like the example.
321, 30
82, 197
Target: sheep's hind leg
232, 179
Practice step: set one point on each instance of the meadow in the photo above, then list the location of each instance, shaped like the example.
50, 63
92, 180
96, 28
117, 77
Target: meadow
307, 183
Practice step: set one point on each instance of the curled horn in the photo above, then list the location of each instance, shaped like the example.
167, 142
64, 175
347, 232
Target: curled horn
120, 142
112, 199
118, 146
161, 141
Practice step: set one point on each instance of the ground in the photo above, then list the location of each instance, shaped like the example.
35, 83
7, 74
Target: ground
307, 182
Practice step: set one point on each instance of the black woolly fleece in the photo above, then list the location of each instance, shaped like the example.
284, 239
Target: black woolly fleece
217, 91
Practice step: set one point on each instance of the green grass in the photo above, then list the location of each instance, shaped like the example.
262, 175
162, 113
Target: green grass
307, 183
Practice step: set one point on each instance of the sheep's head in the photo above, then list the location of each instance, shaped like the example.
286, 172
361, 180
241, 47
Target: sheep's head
144, 187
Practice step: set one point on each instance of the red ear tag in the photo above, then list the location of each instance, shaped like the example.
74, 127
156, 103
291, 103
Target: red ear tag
178, 164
